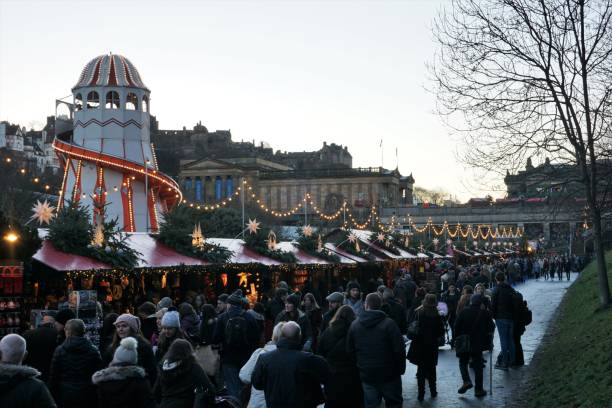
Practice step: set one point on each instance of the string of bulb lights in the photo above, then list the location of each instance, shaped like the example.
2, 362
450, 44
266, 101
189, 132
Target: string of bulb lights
483, 232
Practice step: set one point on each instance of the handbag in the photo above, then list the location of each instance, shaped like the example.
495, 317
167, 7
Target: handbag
203, 398
463, 343
208, 358
414, 328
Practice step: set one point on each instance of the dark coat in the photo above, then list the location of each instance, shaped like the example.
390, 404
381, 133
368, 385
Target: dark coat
146, 358
478, 324
236, 358
149, 327
72, 366
176, 383
290, 377
423, 349
190, 325
123, 386
397, 312
19, 388
379, 347
275, 306
41, 344
502, 303
404, 291
451, 300
345, 374
304, 322
327, 316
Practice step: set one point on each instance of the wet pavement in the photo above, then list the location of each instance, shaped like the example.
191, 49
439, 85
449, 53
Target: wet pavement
542, 297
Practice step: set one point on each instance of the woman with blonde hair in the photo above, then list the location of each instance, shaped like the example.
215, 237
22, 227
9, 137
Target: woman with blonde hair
258, 399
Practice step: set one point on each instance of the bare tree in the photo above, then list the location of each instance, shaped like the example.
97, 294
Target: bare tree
532, 78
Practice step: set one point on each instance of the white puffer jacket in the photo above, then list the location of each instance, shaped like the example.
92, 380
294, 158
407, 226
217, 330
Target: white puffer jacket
258, 399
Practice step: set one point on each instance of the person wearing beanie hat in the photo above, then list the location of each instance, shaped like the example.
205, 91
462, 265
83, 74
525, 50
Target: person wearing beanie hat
128, 325
292, 313
170, 331
124, 383
334, 301
238, 333
60, 321
146, 314
353, 298
477, 323
164, 302
222, 303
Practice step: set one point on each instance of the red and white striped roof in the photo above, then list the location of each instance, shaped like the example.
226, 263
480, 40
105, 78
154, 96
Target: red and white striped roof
110, 70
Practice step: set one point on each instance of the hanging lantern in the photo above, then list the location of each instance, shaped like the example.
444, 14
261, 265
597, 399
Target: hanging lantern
224, 279
406, 241
197, 239
271, 240
319, 244
357, 248
164, 280
98, 238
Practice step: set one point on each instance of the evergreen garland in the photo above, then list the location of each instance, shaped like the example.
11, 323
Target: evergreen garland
71, 232
349, 247
310, 246
257, 242
175, 230
389, 237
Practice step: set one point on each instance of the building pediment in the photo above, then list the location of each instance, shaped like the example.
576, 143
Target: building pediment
207, 164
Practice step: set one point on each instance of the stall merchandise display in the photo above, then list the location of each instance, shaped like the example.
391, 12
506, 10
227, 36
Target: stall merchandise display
11, 300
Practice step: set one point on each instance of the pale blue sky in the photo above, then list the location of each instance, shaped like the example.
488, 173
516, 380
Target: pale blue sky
290, 73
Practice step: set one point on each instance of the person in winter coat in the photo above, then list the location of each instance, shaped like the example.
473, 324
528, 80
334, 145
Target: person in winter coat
237, 333
353, 298
292, 313
277, 304
179, 377
451, 298
128, 325
123, 383
314, 315
288, 376
74, 361
207, 325
334, 301
107, 331
395, 310
148, 321
60, 321
344, 387
418, 300
257, 399
41, 343
474, 321
423, 351
378, 346
522, 318
190, 323
19, 385
170, 331
464, 300
502, 306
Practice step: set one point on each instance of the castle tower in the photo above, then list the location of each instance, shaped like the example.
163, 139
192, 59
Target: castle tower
109, 162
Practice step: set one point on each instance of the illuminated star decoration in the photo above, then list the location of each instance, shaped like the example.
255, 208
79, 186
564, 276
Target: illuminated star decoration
253, 226
449, 241
352, 237
380, 237
243, 279
307, 231
435, 241
43, 212
197, 239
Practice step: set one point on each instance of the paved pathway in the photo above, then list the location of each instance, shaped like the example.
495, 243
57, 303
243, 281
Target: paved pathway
542, 297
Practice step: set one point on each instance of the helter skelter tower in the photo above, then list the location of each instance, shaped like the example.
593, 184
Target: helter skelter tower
108, 161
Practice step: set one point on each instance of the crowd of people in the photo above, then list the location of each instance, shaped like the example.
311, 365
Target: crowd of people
289, 352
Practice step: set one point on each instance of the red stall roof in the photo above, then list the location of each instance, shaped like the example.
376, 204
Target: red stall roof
242, 254
61, 261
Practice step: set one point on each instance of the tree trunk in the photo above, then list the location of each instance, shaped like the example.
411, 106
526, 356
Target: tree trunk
602, 270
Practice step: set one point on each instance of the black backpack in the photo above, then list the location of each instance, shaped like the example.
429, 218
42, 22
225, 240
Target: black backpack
236, 332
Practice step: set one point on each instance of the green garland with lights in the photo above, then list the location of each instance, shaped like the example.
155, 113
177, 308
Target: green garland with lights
310, 246
175, 232
257, 242
71, 232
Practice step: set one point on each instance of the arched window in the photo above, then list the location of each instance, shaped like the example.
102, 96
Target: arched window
145, 103
198, 189
218, 188
229, 186
112, 100
131, 103
93, 100
78, 102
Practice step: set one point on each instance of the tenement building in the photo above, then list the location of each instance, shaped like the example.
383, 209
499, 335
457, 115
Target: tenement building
214, 166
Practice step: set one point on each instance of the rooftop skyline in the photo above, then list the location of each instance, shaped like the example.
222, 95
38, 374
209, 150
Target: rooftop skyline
288, 74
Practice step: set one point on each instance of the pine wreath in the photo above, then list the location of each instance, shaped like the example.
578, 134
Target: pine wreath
310, 246
175, 231
258, 243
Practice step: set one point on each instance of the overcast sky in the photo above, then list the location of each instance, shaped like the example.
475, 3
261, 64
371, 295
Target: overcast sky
292, 74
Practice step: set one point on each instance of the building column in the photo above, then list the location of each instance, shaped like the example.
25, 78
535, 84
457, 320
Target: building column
546, 228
